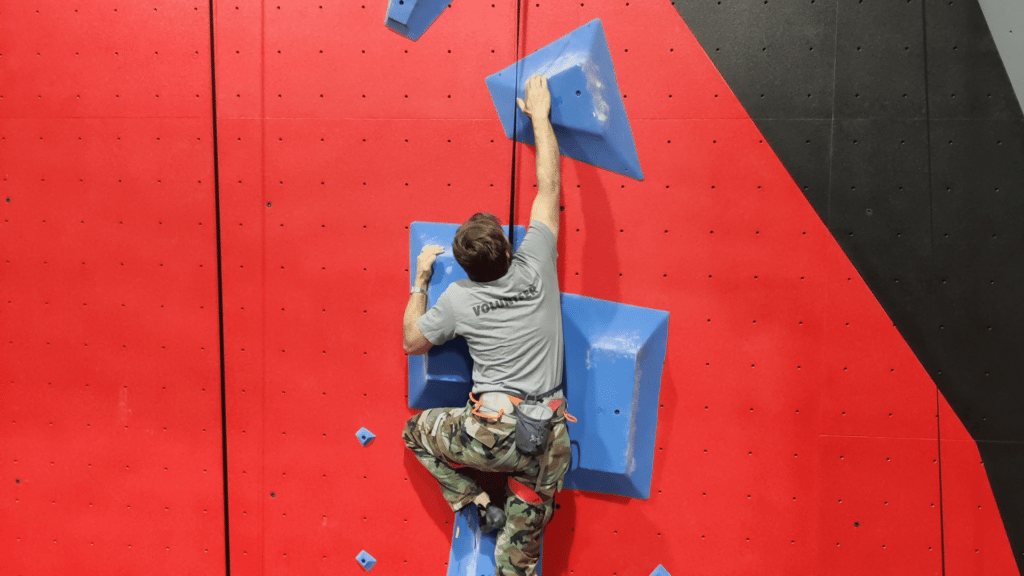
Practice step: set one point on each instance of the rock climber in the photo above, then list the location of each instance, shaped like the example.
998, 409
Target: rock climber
510, 315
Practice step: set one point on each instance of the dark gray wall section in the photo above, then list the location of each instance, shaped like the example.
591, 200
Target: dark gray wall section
899, 122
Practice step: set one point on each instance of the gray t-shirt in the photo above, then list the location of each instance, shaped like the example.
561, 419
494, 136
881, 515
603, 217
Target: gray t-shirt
513, 325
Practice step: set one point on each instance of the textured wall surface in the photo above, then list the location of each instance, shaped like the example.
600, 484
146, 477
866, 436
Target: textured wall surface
798, 431
110, 452
907, 137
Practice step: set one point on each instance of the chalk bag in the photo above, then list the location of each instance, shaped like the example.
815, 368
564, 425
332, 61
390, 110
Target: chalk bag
533, 424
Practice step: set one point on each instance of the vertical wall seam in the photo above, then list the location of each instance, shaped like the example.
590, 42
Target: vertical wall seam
832, 124
515, 144
261, 448
220, 299
931, 256
928, 132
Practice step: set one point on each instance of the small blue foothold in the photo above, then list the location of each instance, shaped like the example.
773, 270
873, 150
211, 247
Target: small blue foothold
365, 436
660, 571
366, 560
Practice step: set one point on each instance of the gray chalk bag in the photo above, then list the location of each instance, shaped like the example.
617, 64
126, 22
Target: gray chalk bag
533, 423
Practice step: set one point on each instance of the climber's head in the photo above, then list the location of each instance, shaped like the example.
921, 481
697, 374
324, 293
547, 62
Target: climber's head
481, 248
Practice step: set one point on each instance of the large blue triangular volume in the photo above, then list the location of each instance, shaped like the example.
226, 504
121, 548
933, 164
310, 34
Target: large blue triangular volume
411, 18
587, 110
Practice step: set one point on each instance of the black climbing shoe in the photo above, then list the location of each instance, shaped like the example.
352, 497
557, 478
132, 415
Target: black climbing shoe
491, 519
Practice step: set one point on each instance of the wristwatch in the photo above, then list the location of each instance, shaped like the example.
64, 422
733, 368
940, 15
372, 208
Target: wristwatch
416, 289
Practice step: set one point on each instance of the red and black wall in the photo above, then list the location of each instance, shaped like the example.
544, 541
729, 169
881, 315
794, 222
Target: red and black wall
899, 122
203, 263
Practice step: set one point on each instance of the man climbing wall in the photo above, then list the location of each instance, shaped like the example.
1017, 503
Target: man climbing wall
510, 315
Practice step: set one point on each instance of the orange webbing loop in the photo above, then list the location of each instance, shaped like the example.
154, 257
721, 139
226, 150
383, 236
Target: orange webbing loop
476, 409
556, 404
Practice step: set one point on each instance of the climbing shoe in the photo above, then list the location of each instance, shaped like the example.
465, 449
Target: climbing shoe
491, 519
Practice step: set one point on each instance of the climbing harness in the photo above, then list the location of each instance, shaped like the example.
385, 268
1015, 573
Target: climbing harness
534, 421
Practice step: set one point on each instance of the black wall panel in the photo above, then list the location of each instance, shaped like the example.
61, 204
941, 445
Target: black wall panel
977, 177
966, 77
880, 60
879, 197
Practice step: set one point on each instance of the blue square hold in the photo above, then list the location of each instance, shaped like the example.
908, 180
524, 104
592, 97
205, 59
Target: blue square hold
365, 436
444, 375
366, 560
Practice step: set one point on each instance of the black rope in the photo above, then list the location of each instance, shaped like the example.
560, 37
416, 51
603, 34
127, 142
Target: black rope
220, 302
515, 125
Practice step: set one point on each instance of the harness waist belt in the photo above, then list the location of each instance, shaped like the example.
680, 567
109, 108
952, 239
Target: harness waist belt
501, 406
496, 402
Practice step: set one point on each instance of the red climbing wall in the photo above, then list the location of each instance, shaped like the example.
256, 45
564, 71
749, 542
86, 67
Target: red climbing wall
339, 134
110, 459
797, 432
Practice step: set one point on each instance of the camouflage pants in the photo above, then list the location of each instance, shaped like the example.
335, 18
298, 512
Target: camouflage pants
445, 439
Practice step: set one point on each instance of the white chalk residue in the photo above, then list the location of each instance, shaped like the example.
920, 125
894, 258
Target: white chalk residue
621, 342
596, 88
579, 59
564, 61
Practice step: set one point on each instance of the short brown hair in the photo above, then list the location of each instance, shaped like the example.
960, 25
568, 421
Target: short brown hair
481, 248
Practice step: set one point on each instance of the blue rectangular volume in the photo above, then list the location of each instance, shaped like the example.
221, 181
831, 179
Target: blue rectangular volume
614, 354
444, 375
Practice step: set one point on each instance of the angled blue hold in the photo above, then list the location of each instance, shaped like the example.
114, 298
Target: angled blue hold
411, 18
444, 375
365, 436
660, 571
587, 111
614, 354
366, 560
472, 552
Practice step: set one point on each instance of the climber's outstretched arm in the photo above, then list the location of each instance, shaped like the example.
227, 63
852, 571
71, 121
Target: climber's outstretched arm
538, 107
